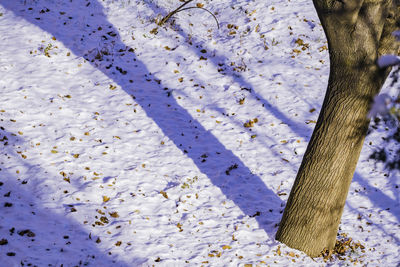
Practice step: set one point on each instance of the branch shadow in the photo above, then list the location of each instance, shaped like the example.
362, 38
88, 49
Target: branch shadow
34, 235
247, 88
377, 197
219, 60
355, 211
121, 64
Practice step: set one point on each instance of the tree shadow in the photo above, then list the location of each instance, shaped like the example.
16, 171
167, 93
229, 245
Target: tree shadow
34, 235
120, 63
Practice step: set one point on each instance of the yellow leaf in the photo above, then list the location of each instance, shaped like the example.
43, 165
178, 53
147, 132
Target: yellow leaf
322, 48
199, 5
114, 214
54, 151
106, 198
248, 124
278, 250
226, 247
100, 212
154, 31
164, 194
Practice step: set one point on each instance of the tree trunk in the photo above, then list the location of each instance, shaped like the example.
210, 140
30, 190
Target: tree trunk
358, 32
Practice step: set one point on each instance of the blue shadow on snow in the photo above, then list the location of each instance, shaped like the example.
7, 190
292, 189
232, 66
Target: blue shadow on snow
35, 235
123, 67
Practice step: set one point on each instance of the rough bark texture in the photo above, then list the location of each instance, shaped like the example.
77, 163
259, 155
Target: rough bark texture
358, 32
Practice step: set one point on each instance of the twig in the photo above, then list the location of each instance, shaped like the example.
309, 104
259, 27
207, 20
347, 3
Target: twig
180, 8
170, 14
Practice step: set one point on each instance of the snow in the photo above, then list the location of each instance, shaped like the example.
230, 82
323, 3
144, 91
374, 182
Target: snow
381, 105
388, 60
123, 143
396, 34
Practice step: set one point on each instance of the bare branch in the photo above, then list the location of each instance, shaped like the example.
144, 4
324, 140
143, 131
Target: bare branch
170, 14
181, 8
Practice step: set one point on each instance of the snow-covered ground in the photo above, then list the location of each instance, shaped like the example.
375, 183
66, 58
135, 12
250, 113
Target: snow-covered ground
124, 143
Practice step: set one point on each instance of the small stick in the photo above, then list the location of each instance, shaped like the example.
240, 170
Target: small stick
180, 8
170, 14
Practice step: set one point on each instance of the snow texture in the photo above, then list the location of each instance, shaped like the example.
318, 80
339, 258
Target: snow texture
124, 143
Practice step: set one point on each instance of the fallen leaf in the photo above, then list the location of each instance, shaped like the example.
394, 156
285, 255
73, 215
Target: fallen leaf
164, 194
114, 214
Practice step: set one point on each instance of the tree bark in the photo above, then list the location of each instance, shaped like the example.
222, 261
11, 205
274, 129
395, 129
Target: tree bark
358, 32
